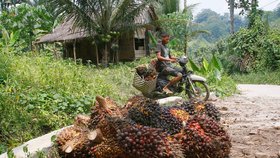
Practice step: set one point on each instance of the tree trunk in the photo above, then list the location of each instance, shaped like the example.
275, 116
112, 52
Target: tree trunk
231, 10
96, 54
74, 52
105, 55
185, 4
186, 45
147, 41
117, 53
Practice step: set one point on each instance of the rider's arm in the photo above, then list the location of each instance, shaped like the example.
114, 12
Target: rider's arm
161, 58
172, 57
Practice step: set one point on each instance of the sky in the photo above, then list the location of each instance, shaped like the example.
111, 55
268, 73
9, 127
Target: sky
221, 7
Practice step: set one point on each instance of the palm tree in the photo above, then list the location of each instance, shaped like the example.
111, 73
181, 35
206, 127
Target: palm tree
169, 6
102, 19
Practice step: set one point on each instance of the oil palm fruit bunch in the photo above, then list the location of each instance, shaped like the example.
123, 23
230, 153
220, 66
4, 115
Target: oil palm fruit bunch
146, 112
109, 148
145, 142
188, 107
73, 142
212, 111
150, 113
103, 107
200, 107
135, 101
204, 137
171, 119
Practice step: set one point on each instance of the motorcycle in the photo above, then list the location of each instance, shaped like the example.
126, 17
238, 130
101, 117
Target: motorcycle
194, 86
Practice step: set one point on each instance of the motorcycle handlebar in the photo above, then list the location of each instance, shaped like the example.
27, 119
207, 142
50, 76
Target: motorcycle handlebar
182, 60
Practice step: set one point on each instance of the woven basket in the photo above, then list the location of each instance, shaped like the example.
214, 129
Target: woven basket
146, 87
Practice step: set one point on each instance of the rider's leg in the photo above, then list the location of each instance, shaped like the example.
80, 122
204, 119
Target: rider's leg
177, 77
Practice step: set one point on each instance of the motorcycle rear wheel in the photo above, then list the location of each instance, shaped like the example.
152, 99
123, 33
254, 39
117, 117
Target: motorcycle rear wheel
200, 91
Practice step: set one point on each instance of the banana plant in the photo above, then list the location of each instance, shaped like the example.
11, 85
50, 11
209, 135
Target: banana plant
8, 40
211, 69
28, 21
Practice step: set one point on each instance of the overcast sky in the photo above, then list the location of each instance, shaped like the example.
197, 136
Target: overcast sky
220, 6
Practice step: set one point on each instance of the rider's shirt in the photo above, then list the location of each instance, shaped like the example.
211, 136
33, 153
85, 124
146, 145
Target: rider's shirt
164, 53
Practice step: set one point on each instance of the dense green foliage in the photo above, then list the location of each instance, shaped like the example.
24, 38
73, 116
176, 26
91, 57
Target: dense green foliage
252, 49
29, 22
168, 6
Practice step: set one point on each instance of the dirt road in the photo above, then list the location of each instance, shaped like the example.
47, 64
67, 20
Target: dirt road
253, 121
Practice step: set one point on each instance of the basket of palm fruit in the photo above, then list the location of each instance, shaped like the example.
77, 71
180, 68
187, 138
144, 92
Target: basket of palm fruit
145, 79
144, 129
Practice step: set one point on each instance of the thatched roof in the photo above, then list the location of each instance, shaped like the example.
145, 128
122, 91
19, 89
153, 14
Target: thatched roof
66, 31
63, 32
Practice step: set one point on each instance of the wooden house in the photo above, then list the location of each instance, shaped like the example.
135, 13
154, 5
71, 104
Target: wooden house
79, 45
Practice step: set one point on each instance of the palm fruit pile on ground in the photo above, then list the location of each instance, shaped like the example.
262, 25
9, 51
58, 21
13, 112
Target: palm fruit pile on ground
144, 129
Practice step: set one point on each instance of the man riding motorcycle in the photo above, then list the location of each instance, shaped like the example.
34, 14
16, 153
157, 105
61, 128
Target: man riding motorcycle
164, 65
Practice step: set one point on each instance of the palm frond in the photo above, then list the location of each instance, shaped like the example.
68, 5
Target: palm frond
198, 32
190, 8
101, 15
77, 11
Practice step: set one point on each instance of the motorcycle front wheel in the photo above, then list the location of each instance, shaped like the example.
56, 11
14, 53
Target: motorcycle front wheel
198, 90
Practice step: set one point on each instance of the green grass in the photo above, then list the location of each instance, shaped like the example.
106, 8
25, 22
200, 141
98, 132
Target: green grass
266, 77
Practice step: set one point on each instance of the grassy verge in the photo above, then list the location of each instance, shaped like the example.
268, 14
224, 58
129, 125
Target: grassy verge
266, 77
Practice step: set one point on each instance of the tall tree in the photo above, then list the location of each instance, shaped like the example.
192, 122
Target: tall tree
101, 18
231, 11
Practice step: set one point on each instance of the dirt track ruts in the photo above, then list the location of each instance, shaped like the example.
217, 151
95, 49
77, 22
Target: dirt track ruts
252, 119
